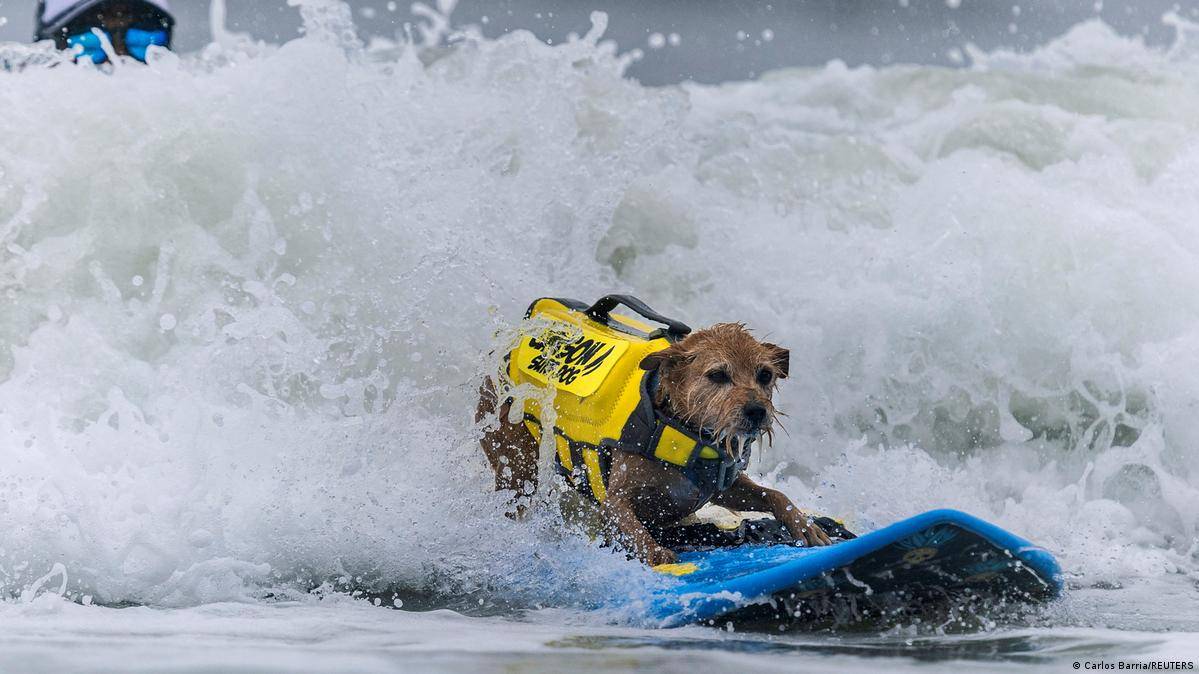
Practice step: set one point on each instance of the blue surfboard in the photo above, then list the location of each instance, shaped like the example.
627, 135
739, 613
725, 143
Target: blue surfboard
939, 556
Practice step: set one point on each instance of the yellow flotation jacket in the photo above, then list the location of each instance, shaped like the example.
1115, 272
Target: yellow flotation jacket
603, 400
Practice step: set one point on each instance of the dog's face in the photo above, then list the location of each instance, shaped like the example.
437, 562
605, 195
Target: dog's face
721, 380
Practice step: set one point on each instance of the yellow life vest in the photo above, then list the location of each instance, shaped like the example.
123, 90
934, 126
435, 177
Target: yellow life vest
602, 399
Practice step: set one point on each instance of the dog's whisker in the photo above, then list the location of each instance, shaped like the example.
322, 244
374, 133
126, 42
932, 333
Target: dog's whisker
782, 427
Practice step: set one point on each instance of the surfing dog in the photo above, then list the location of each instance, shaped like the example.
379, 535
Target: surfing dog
720, 383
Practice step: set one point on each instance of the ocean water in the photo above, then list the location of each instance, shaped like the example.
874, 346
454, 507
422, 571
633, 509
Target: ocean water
247, 297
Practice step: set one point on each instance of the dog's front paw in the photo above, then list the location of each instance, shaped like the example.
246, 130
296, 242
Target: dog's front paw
810, 533
659, 555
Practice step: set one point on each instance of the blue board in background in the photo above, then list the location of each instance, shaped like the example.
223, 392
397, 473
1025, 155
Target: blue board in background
938, 556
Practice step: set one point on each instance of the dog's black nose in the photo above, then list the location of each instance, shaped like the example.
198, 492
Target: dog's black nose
755, 413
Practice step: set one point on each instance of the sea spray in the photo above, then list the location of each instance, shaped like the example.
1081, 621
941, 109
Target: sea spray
248, 297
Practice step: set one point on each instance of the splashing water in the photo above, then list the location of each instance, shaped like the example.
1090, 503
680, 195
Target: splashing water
248, 297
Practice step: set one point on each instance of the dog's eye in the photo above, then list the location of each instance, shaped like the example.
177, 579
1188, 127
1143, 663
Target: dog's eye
719, 377
765, 377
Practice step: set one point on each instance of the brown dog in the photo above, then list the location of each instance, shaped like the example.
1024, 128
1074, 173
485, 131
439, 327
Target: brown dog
719, 381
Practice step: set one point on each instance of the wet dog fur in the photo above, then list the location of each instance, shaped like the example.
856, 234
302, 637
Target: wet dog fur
721, 380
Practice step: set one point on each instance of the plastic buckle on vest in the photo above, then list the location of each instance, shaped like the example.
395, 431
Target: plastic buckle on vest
724, 479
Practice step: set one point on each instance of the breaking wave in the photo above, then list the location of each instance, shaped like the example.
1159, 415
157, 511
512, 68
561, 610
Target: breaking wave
248, 296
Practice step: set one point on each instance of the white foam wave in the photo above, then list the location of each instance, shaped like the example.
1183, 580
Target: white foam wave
249, 293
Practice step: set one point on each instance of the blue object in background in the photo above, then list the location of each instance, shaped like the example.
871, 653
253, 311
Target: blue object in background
137, 41
956, 553
87, 46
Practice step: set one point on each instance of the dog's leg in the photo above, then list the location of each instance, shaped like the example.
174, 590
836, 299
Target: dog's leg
510, 449
625, 527
745, 494
620, 518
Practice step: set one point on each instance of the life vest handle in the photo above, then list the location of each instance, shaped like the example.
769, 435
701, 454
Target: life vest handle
599, 312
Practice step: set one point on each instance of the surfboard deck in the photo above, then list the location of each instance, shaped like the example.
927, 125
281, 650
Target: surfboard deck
941, 556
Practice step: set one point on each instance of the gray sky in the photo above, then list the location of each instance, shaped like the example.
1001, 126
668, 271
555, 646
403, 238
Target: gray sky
718, 39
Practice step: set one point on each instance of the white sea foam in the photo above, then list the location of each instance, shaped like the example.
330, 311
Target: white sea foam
249, 295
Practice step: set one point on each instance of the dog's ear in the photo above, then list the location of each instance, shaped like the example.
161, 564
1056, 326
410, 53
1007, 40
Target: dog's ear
780, 358
671, 355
